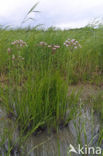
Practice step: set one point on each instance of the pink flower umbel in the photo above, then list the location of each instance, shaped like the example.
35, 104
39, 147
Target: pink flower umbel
54, 48
51, 46
43, 43
72, 44
19, 43
9, 50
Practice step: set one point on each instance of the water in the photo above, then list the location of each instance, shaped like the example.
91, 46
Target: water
84, 130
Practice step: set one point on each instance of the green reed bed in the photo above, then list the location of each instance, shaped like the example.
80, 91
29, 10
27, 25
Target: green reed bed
38, 67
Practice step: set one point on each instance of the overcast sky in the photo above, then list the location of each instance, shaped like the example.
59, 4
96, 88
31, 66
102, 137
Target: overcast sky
60, 13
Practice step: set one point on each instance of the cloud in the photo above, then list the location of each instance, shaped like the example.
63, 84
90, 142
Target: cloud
53, 12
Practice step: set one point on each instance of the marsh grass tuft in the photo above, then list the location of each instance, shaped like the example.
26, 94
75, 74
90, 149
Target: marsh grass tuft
36, 78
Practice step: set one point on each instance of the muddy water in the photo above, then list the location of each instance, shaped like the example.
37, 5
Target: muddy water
84, 129
53, 145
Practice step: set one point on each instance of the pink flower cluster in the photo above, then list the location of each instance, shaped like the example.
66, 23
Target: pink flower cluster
53, 47
19, 43
72, 44
13, 56
43, 43
9, 50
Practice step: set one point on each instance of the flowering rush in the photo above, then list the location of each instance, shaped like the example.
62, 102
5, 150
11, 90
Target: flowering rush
43, 43
53, 47
72, 44
19, 43
9, 50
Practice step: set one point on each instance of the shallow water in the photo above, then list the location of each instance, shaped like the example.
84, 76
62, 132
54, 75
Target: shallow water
58, 144
82, 130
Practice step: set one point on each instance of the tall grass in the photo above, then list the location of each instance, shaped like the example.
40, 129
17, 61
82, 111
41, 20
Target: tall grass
34, 82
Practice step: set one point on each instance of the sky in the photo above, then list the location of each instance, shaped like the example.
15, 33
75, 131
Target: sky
58, 13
